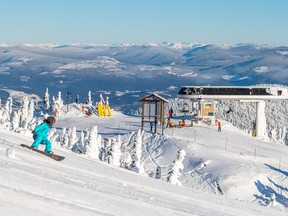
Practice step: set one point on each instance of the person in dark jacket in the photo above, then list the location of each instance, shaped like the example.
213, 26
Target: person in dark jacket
40, 134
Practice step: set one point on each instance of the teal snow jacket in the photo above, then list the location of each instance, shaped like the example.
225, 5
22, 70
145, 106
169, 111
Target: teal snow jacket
42, 130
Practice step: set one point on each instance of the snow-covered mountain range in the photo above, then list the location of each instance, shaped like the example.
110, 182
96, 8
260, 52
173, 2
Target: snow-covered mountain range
128, 71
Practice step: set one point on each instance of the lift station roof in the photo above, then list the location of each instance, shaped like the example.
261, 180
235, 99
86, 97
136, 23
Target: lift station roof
234, 92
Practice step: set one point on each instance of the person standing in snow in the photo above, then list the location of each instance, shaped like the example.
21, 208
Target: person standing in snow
219, 126
171, 113
151, 125
40, 134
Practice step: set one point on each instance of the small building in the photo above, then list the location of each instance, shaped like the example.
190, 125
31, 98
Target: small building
207, 109
153, 111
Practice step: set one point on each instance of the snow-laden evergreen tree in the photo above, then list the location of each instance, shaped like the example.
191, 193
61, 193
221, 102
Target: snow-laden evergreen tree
5, 114
5, 119
73, 139
92, 145
104, 150
116, 151
158, 173
59, 99
46, 100
89, 99
31, 108
57, 103
174, 171
24, 113
15, 121
53, 136
8, 105
62, 136
86, 135
0, 103
66, 140
136, 165
53, 104
125, 160
67, 136
108, 151
79, 147
33, 123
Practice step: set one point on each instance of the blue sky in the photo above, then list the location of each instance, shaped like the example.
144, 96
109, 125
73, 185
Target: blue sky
142, 21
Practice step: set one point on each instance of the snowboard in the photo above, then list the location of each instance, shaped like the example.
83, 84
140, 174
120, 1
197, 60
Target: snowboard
53, 156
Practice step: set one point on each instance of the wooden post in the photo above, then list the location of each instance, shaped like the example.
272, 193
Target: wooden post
156, 120
226, 144
143, 111
254, 153
162, 116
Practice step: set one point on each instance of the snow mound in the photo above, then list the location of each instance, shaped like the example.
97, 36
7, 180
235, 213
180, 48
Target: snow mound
11, 153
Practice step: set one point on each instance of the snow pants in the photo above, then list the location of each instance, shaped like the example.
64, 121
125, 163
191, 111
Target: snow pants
39, 139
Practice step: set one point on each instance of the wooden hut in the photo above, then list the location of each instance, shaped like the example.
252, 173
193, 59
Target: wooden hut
153, 111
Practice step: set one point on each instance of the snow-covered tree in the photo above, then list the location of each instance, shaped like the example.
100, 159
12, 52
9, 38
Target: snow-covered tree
136, 165
86, 135
15, 121
62, 136
104, 150
46, 100
79, 147
73, 139
31, 109
8, 105
57, 103
116, 151
53, 136
158, 173
24, 112
174, 171
92, 146
65, 141
89, 99
125, 160
5, 119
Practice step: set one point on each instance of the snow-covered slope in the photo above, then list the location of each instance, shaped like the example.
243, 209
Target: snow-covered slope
227, 173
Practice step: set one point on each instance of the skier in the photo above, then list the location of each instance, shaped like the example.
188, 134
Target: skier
40, 134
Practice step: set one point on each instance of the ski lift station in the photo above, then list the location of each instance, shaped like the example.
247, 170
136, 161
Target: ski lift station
205, 97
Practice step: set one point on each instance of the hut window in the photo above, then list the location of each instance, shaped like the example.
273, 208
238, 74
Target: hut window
208, 105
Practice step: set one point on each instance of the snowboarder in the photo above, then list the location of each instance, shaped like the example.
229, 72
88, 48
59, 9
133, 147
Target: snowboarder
171, 113
40, 134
